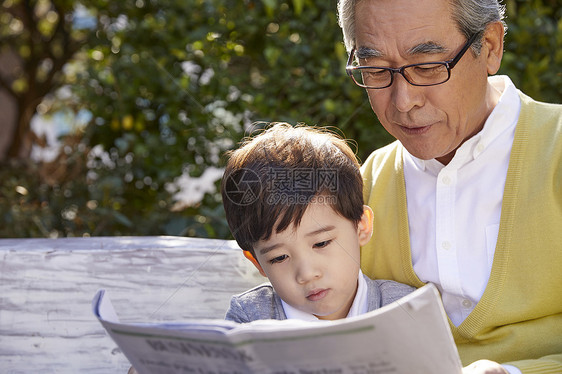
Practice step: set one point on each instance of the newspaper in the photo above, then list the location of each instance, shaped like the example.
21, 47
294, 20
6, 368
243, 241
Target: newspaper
410, 335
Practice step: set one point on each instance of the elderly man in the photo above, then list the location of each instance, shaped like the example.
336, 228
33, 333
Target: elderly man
470, 196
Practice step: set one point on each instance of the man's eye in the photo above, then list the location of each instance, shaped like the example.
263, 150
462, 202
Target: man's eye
322, 244
430, 69
278, 259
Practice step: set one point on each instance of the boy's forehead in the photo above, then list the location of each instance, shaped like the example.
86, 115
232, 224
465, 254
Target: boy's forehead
318, 218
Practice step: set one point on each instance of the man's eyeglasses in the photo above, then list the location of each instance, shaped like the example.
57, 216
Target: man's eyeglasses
423, 74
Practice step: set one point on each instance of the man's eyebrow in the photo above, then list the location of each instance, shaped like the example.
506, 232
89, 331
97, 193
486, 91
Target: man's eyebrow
427, 48
422, 48
365, 52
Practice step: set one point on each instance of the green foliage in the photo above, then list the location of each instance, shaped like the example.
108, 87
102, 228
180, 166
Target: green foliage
533, 48
172, 84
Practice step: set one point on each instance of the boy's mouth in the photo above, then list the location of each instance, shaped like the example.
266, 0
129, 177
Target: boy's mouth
317, 294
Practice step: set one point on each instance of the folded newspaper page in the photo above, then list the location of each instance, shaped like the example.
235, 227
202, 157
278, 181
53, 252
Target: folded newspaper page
410, 335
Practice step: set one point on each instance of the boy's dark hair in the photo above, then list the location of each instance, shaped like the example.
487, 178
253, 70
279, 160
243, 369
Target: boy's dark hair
270, 180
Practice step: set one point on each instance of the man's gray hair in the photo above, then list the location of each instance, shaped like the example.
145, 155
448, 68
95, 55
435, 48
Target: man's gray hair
471, 16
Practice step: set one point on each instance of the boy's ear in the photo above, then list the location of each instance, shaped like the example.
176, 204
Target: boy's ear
253, 260
365, 226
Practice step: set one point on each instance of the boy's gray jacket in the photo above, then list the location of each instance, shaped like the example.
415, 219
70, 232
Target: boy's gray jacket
262, 302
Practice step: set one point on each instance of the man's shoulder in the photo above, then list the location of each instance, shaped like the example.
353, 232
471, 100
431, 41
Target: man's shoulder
537, 123
529, 100
546, 112
384, 152
387, 156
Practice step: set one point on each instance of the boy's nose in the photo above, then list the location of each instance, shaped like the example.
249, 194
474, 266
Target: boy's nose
307, 271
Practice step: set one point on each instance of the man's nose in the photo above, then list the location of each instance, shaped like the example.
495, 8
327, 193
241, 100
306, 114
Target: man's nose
405, 96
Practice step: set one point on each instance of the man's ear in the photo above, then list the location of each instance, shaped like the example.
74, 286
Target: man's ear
365, 226
253, 260
492, 46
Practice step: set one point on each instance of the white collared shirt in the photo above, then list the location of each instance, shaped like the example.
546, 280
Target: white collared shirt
454, 210
359, 306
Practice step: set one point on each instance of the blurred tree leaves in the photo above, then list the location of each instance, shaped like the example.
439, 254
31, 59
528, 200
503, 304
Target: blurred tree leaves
533, 48
172, 84
37, 39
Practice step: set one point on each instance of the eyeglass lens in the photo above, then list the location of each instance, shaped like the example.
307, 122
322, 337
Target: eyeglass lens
422, 74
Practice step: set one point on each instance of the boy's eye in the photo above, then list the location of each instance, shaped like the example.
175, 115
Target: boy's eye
322, 244
278, 259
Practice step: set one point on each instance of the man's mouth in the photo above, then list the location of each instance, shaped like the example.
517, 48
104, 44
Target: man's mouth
415, 130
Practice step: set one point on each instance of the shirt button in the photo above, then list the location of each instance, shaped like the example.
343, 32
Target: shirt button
466, 303
446, 180
446, 245
478, 150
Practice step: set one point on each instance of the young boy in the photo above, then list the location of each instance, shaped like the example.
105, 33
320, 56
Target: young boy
294, 203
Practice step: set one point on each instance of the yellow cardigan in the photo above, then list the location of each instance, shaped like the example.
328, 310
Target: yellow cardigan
519, 317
